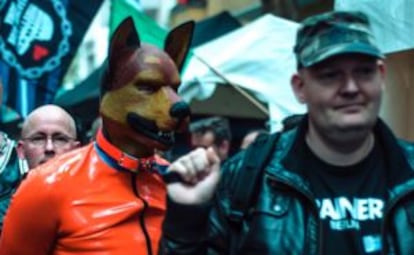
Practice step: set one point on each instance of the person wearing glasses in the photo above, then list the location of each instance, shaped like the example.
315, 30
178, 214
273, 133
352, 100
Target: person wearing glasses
48, 131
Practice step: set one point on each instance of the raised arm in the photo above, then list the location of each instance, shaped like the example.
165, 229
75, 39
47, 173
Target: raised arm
196, 221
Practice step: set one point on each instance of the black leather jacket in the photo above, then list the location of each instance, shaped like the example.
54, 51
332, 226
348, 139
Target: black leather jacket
12, 170
285, 218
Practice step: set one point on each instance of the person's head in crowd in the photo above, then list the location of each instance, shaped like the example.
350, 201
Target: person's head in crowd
47, 131
251, 136
341, 76
213, 131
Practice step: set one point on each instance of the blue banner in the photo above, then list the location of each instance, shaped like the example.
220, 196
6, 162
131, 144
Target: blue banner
38, 40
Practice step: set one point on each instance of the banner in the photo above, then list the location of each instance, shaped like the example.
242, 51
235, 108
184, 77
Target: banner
38, 40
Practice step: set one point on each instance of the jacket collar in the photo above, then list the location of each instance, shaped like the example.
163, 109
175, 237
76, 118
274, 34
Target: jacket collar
398, 159
119, 159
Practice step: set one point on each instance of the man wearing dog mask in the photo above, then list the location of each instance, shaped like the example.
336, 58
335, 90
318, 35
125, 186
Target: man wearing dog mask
109, 197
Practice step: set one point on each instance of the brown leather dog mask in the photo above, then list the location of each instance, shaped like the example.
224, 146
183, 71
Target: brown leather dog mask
139, 103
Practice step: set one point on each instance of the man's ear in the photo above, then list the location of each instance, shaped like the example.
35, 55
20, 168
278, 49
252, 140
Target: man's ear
225, 145
382, 68
383, 72
225, 148
297, 86
20, 149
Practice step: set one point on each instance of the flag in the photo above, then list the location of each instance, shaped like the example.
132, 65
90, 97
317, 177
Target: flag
149, 31
38, 40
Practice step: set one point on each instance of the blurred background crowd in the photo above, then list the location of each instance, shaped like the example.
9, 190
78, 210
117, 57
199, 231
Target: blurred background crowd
237, 71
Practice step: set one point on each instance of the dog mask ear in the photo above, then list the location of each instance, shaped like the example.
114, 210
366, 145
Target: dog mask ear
178, 43
124, 37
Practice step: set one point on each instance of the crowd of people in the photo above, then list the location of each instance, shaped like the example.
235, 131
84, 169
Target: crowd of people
338, 181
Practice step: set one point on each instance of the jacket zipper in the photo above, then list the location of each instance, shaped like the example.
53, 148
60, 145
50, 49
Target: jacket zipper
283, 180
142, 214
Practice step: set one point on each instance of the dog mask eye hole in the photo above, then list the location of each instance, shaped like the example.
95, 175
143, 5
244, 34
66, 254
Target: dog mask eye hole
148, 88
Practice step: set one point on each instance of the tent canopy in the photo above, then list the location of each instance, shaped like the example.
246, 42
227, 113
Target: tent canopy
392, 24
257, 57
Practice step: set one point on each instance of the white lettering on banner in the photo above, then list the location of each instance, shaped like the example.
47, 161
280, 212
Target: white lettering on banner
344, 213
344, 224
327, 210
341, 208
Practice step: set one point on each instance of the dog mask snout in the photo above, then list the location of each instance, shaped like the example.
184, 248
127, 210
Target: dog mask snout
180, 110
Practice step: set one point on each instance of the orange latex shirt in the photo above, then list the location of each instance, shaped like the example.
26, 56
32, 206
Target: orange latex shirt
79, 204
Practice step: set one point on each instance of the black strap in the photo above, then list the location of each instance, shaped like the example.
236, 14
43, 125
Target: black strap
247, 183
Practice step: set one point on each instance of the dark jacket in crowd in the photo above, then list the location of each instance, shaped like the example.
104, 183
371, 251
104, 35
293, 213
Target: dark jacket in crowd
12, 171
285, 218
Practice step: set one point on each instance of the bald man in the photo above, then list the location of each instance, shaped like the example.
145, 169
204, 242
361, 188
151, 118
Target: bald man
48, 131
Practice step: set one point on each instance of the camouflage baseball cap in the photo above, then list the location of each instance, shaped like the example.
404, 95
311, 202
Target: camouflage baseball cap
333, 33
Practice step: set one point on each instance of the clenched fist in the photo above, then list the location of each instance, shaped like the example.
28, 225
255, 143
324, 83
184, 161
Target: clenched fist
200, 170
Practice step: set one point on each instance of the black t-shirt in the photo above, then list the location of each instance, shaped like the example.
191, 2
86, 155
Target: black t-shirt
351, 200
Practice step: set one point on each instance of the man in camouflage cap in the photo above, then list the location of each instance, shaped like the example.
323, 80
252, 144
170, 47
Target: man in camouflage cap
330, 34
338, 183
